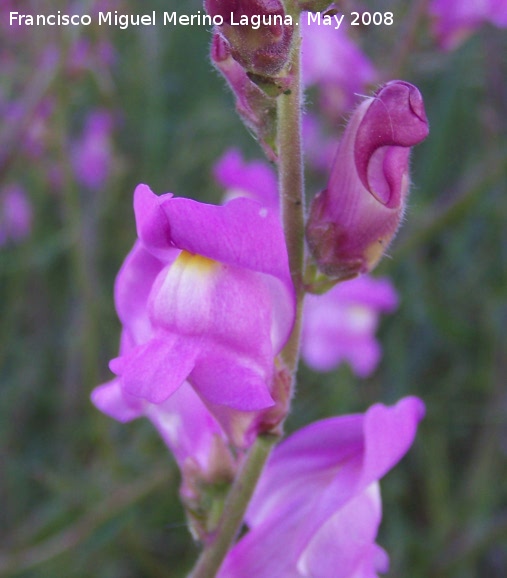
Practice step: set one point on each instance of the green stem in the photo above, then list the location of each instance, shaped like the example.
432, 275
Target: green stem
235, 507
291, 182
290, 166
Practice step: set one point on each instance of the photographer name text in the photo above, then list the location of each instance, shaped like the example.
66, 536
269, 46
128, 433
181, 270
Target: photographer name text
124, 21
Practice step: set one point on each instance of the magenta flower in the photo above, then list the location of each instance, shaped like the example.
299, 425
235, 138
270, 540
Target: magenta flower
340, 325
92, 154
333, 62
185, 424
317, 508
455, 20
205, 296
15, 215
354, 219
255, 179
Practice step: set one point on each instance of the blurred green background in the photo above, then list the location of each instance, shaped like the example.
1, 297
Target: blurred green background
81, 495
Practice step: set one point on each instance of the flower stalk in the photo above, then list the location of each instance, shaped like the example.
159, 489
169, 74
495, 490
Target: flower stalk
290, 169
291, 183
235, 506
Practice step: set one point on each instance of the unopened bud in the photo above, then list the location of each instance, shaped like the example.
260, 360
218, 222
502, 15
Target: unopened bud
355, 218
258, 31
254, 106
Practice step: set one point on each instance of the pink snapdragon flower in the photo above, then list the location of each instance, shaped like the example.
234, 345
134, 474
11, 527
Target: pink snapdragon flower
254, 179
15, 215
456, 20
317, 508
340, 325
334, 63
194, 436
219, 299
355, 218
92, 154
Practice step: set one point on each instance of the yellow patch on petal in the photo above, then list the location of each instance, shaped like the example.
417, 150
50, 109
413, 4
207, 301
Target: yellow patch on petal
190, 261
183, 300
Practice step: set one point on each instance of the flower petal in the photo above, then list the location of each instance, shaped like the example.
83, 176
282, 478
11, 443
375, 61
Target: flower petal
228, 233
226, 378
344, 544
389, 433
156, 369
132, 288
110, 399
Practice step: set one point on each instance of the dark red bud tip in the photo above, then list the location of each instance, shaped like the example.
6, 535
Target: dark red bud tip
259, 33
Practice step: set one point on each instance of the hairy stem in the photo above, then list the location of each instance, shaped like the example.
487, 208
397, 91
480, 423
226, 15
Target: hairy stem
235, 507
290, 166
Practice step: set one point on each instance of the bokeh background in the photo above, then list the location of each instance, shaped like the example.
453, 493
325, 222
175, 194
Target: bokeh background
81, 495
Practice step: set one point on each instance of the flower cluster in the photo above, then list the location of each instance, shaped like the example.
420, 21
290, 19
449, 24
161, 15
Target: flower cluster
212, 309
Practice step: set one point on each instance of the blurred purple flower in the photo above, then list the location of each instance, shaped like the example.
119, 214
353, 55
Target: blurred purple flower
317, 507
92, 154
87, 56
355, 218
456, 20
32, 125
215, 284
319, 148
340, 325
254, 179
334, 63
15, 215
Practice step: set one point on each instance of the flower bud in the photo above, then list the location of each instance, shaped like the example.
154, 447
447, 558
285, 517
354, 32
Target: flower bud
258, 31
355, 218
256, 109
